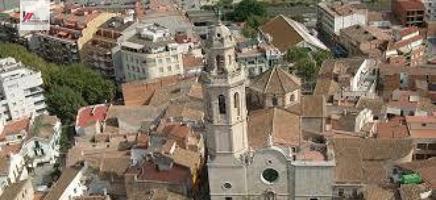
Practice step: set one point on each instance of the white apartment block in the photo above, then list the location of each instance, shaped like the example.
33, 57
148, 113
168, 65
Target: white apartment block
430, 9
334, 16
21, 90
150, 53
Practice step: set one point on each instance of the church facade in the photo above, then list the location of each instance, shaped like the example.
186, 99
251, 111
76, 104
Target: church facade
258, 154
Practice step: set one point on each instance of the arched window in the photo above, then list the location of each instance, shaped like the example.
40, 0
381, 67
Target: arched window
222, 104
237, 103
292, 98
275, 101
220, 63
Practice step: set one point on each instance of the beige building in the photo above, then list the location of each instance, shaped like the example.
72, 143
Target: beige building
70, 29
22, 190
150, 53
264, 157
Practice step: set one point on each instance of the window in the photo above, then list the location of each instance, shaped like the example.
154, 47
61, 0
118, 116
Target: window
292, 98
230, 60
220, 63
222, 104
424, 124
341, 192
236, 103
169, 68
275, 101
270, 175
161, 69
227, 185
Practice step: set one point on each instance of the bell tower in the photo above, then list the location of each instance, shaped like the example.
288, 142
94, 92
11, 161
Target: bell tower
223, 83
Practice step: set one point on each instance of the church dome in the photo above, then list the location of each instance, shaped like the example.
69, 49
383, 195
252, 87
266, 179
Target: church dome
275, 81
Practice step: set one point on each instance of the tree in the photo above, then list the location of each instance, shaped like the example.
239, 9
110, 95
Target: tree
248, 8
64, 102
296, 53
306, 69
67, 88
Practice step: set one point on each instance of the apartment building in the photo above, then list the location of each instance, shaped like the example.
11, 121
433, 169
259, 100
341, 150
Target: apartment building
101, 51
407, 48
9, 32
150, 53
334, 16
364, 41
70, 29
409, 12
21, 90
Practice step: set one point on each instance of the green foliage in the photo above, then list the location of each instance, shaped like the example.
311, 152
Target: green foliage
65, 102
67, 88
248, 8
306, 62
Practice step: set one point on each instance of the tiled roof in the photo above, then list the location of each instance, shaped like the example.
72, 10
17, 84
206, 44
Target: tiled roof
4, 165
361, 160
326, 87
62, 183
283, 126
15, 127
140, 92
275, 81
287, 33
90, 114
394, 128
13, 190
425, 168
192, 62
313, 106
375, 192
177, 174
186, 158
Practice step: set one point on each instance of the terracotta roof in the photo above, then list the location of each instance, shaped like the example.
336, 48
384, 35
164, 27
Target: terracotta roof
366, 160
15, 127
4, 165
394, 128
186, 158
13, 190
405, 42
425, 168
179, 131
313, 106
115, 164
162, 194
8, 149
140, 92
287, 33
410, 5
326, 87
375, 192
192, 62
62, 183
177, 174
284, 36
275, 81
421, 119
408, 30
89, 114
376, 105
283, 126
412, 191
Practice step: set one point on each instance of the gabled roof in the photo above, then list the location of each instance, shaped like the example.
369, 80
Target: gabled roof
278, 125
287, 33
62, 183
275, 81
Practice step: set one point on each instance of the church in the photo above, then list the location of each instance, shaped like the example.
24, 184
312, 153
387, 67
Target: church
256, 149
